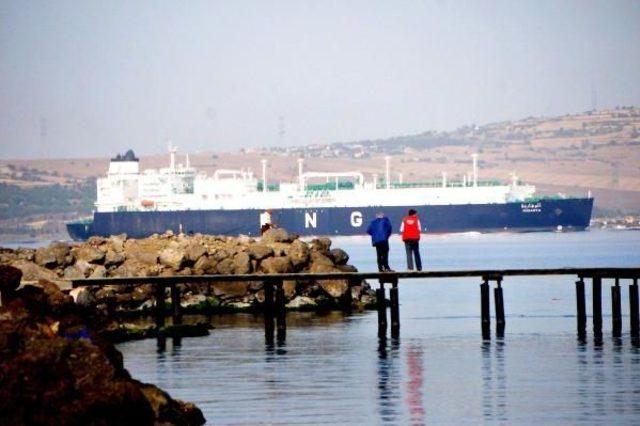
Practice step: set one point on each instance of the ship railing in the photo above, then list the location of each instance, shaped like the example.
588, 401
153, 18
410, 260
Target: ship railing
438, 184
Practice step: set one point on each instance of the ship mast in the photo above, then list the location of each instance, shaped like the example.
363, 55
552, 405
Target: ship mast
264, 174
475, 169
387, 160
300, 176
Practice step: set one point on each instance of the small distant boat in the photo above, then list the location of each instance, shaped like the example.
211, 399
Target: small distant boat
233, 202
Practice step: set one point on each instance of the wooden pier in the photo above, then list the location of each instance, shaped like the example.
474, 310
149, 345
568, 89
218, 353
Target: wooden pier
275, 311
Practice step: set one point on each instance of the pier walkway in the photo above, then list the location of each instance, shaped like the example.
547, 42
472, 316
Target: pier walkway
275, 312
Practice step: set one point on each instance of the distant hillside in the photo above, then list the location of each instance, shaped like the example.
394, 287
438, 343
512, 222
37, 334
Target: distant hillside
596, 151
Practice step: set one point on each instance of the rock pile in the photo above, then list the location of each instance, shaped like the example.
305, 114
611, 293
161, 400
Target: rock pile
168, 254
56, 369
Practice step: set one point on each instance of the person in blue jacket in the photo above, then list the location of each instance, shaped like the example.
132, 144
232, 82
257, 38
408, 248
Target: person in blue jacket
380, 231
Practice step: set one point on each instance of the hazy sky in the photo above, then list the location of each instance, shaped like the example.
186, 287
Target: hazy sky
92, 78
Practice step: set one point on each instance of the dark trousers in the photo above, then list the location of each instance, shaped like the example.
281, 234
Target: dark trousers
413, 249
382, 252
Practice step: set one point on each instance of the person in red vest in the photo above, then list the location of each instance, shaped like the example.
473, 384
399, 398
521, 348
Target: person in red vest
410, 230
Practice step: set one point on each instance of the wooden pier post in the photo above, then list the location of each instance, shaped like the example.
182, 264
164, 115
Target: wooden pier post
395, 309
597, 308
581, 309
347, 299
160, 305
634, 315
280, 312
484, 310
382, 311
499, 300
176, 309
268, 312
616, 311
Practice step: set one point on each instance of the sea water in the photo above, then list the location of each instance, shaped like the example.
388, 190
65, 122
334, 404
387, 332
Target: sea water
333, 369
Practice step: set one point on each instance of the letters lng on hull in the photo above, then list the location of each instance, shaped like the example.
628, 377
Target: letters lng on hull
181, 188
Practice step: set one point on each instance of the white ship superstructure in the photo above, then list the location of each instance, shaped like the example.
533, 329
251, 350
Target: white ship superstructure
181, 187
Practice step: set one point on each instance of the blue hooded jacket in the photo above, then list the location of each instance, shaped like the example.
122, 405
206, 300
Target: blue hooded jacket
379, 229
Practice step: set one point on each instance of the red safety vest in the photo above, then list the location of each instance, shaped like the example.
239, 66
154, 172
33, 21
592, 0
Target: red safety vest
411, 230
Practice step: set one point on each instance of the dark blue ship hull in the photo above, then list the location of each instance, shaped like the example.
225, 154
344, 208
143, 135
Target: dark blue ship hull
542, 215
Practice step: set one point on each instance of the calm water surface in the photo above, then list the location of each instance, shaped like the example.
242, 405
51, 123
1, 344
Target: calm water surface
334, 370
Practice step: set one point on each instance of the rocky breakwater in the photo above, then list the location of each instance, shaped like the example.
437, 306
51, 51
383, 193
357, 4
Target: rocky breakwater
167, 255
56, 369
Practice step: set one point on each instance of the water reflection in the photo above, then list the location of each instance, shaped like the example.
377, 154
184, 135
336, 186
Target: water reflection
415, 371
389, 394
494, 380
161, 343
273, 351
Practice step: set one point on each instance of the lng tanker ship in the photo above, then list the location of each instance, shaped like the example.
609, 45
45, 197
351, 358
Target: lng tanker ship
233, 202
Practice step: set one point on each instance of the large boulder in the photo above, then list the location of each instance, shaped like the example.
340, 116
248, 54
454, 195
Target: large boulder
334, 288
242, 263
276, 235
83, 296
220, 254
318, 258
346, 268
205, 265
57, 370
298, 252
230, 289
73, 273
301, 302
134, 268
172, 257
289, 287
114, 258
279, 249
116, 242
321, 245
170, 411
276, 265
7, 256
225, 266
33, 272
144, 251
26, 254
53, 255
99, 271
195, 251
339, 256
259, 251
88, 254
9, 281
84, 267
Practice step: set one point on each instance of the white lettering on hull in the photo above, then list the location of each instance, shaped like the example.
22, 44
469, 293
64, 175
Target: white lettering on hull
310, 220
531, 207
356, 219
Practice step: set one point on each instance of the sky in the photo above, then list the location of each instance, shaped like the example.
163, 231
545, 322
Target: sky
92, 78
